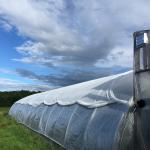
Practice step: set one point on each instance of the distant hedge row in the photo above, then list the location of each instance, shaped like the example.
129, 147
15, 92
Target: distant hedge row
8, 98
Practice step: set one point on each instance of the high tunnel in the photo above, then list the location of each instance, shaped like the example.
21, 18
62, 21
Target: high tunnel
94, 115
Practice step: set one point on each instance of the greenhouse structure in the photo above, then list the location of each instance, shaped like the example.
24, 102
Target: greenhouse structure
109, 113
93, 115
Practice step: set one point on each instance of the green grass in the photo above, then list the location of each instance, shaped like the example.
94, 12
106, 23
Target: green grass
14, 136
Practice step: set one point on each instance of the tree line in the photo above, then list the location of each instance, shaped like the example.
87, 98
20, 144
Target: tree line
8, 98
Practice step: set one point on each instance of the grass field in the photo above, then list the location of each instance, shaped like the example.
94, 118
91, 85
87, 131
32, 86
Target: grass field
14, 136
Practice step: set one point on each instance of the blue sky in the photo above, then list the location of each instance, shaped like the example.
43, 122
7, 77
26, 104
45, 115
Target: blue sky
55, 43
9, 41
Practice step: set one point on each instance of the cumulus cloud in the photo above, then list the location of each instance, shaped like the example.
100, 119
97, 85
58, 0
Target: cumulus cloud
5, 25
80, 32
87, 33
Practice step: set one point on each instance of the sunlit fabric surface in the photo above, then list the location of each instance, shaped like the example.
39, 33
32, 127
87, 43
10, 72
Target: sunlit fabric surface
94, 115
95, 93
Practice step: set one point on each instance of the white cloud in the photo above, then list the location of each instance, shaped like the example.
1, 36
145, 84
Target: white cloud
7, 71
7, 84
5, 25
117, 57
79, 32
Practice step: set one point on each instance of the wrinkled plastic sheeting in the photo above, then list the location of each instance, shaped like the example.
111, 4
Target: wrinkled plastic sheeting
93, 93
134, 130
95, 125
74, 127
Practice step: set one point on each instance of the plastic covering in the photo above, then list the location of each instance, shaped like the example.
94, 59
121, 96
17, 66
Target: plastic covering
94, 115
95, 93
